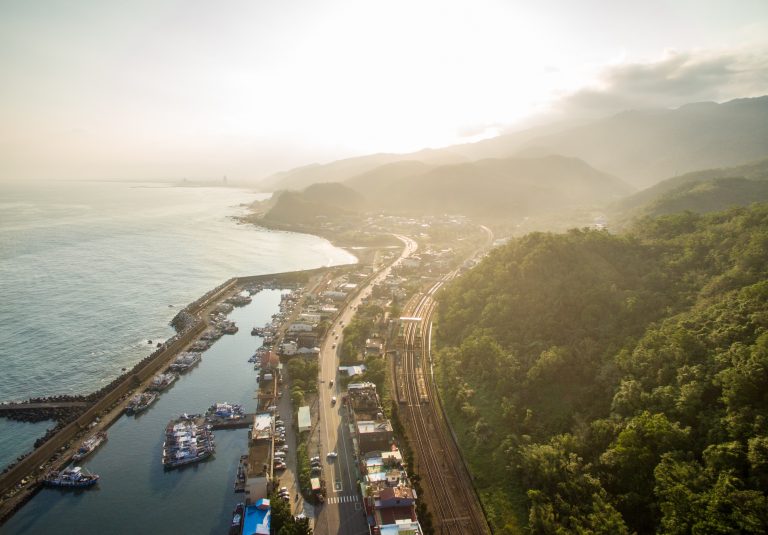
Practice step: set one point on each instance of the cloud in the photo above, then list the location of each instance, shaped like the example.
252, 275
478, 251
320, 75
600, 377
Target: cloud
678, 78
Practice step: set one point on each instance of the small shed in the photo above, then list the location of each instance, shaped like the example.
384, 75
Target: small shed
305, 420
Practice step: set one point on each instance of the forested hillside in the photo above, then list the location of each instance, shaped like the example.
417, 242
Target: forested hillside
616, 384
709, 190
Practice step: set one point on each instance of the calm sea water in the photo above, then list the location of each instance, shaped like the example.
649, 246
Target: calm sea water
89, 272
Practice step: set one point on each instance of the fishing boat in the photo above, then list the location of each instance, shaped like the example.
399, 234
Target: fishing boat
89, 445
237, 519
140, 402
225, 411
185, 361
163, 381
73, 477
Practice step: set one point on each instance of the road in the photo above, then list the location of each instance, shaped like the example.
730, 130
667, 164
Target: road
342, 512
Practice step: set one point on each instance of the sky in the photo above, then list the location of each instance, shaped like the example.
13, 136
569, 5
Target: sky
167, 89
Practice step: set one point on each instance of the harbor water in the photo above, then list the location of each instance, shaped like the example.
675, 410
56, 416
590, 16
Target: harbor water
89, 273
135, 493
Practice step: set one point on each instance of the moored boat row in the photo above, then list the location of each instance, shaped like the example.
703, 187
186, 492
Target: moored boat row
186, 442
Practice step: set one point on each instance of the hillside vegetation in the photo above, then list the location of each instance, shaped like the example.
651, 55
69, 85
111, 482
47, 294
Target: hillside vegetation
616, 384
709, 190
509, 189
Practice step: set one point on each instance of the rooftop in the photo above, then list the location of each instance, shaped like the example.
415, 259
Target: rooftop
370, 426
257, 520
401, 528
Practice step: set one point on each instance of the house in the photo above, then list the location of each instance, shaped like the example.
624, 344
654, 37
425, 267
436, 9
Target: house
374, 347
300, 327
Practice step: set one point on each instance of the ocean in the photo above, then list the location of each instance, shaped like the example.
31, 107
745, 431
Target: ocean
90, 272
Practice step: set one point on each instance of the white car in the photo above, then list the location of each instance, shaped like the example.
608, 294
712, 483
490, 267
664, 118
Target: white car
332, 454
333, 400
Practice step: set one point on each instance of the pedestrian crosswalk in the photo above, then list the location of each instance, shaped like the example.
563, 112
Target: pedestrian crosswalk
350, 498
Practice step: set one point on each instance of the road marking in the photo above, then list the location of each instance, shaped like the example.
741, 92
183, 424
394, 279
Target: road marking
349, 498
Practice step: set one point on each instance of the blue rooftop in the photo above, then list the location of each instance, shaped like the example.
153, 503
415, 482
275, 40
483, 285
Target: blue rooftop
256, 521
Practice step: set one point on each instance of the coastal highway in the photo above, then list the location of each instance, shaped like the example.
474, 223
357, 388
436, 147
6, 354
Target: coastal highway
342, 512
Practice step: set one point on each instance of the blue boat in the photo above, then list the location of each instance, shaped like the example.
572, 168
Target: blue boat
73, 477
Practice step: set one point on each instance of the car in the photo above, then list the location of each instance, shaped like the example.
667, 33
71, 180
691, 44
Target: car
332, 454
316, 470
315, 458
279, 422
284, 447
333, 346
331, 383
283, 489
333, 400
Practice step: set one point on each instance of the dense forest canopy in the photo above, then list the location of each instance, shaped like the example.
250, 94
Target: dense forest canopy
606, 383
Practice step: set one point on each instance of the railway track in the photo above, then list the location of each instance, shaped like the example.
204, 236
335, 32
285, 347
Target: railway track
454, 504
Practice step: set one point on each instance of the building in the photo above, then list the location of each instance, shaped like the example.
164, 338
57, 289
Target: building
306, 339
257, 518
259, 458
305, 419
374, 347
289, 348
300, 327
373, 435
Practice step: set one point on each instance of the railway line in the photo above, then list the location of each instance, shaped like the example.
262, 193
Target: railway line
455, 506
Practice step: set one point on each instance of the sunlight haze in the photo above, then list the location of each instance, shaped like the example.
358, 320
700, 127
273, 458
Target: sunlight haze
174, 89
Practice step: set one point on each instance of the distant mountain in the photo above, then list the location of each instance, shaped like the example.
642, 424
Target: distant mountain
511, 187
329, 200
700, 191
341, 170
379, 181
642, 147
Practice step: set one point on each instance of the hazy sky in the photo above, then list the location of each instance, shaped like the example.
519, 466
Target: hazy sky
166, 89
